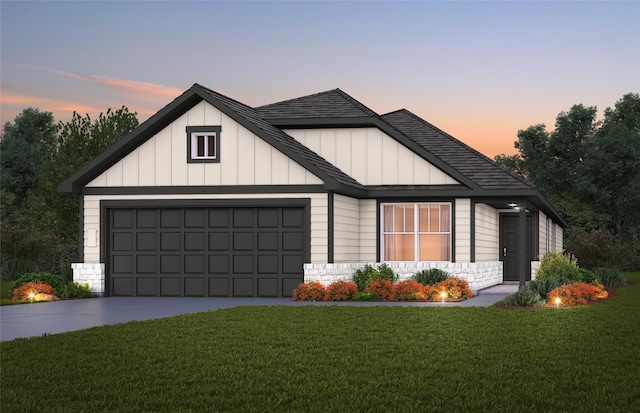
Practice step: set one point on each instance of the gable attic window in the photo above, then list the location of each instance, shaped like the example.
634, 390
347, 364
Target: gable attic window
416, 232
203, 144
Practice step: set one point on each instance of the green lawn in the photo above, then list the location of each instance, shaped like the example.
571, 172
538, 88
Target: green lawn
339, 359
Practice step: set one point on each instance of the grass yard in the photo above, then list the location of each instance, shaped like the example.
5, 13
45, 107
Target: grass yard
339, 359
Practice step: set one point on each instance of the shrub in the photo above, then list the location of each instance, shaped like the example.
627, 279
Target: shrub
587, 276
75, 290
24, 291
599, 248
340, 291
309, 291
382, 288
41, 246
577, 293
365, 296
524, 298
12, 269
610, 277
365, 276
543, 286
555, 264
408, 290
53, 280
455, 287
432, 276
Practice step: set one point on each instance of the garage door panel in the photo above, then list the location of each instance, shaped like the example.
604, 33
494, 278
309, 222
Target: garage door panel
219, 264
170, 264
146, 241
146, 264
243, 218
194, 241
122, 218
170, 218
169, 241
194, 264
170, 287
268, 287
146, 218
213, 251
268, 218
123, 286
292, 241
122, 264
146, 286
291, 264
243, 287
219, 218
194, 218
194, 287
268, 241
243, 264
218, 241
219, 287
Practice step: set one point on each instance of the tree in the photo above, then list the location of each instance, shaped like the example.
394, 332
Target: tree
27, 150
609, 178
80, 140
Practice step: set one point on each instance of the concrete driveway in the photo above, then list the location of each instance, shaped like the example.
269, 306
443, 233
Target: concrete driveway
29, 320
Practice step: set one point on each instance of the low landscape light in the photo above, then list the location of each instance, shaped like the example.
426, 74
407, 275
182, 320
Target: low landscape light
558, 301
443, 295
32, 295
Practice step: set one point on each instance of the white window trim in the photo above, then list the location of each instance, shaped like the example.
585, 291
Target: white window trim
416, 233
194, 145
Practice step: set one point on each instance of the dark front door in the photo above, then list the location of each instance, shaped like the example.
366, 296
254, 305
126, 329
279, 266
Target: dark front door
237, 251
509, 245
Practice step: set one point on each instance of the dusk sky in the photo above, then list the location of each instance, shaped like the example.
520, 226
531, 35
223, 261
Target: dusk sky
478, 70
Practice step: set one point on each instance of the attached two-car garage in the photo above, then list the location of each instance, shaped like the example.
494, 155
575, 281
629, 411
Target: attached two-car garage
160, 249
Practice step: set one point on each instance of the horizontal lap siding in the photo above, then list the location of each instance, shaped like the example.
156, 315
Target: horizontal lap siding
543, 241
486, 233
346, 238
370, 156
368, 230
245, 159
318, 241
462, 227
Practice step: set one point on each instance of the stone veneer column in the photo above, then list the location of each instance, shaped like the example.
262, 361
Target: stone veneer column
90, 273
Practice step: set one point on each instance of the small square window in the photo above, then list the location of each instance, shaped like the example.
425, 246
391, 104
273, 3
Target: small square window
203, 144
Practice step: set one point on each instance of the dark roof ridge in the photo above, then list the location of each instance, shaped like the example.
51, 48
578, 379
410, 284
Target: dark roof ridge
465, 146
353, 100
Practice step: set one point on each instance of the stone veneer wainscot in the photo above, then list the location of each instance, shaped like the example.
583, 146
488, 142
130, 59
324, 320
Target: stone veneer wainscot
90, 273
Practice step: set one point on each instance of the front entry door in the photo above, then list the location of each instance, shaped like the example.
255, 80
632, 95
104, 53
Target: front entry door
509, 247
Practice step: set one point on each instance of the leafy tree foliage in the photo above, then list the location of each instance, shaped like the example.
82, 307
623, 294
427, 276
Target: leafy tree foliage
589, 170
37, 155
27, 150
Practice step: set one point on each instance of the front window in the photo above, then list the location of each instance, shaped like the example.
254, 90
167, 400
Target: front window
416, 232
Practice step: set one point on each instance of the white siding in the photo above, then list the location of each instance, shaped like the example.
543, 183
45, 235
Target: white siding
346, 229
543, 240
486, 233
463, 230
319, 251
368, 230
559, 234
245, 159
370, 156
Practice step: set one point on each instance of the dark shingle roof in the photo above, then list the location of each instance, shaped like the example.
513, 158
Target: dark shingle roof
330, 104
471, 163
284, 141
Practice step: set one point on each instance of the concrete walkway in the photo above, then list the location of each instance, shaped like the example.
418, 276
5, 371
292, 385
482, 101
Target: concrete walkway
29, 320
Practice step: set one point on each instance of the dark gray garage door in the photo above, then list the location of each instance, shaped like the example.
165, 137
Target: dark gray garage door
240, 252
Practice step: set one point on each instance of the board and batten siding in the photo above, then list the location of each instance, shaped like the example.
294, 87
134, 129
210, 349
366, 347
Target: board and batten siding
486, 233
245, 159
346, 229
370, 156
463, 230
318, 230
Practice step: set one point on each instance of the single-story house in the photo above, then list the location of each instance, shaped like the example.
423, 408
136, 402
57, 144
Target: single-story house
211, 197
